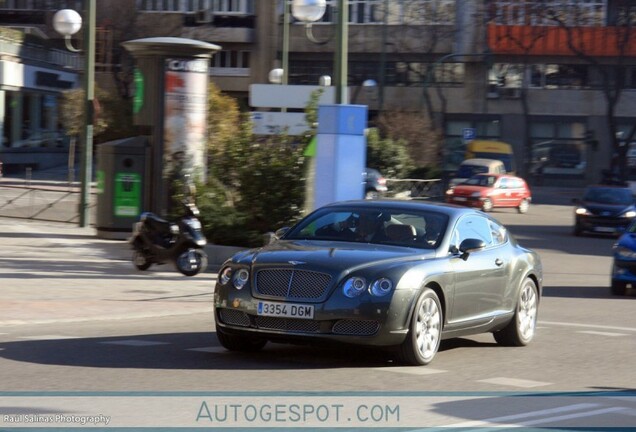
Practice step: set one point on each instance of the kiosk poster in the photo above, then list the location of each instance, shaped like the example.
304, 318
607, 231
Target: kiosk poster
185, 117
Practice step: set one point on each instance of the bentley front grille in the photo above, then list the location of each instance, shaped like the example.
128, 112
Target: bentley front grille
288, 324
234, 317
355, 328
292, 284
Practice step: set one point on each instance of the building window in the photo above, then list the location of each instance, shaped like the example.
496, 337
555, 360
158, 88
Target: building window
413, 12
236, 7
548, 12
231, 63
558, 148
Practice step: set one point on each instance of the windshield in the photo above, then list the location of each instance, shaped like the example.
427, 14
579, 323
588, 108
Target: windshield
481, 180
466, 171
505, 158
418, 229
616, 196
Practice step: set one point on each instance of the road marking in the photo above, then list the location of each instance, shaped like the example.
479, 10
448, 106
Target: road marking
602, 333
133, 342
48, 337
499, 421
411, 370
630, 329
514, 382
214, 349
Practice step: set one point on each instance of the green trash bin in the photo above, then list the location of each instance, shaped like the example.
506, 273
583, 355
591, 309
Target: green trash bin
121, 172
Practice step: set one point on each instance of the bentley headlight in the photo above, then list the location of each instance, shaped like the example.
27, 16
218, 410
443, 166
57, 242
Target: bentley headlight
240, 278
582, 211
381, 287
225, 275
624, 252
629, 214
354, 286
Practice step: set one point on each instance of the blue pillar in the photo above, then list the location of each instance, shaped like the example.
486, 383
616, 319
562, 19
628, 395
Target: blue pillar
341, 153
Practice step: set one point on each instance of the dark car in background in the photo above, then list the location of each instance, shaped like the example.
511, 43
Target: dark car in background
374, 184
604, 210
401, 275
624, 262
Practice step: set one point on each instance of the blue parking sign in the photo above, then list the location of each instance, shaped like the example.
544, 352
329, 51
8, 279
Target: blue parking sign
468, 134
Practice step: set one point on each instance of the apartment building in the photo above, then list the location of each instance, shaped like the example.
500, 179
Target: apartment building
535, 74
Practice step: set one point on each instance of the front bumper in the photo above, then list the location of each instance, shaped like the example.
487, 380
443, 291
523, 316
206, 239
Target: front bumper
363, 321
603, 225
624, 270
476, 202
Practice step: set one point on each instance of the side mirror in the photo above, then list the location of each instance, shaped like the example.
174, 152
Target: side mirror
470, 245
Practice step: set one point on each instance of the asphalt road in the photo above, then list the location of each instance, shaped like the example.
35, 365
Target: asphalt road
580, 363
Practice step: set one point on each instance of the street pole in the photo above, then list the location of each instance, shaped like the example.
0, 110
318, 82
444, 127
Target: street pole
286, 20
342, 50
87, 132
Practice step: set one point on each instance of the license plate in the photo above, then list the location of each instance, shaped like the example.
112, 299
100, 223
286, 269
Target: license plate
460, 199
604, 229
288, 310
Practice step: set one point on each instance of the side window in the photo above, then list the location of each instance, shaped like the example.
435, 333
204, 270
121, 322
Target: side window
473, 226
504, 183
497, 232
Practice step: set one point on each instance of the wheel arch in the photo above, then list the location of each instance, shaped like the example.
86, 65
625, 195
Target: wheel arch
435, 287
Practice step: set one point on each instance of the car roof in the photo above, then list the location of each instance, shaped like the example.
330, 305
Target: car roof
448, 209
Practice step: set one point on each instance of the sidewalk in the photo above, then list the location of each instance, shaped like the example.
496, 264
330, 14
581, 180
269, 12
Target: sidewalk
55, 272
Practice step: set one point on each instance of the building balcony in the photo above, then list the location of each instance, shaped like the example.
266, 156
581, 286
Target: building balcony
552, 40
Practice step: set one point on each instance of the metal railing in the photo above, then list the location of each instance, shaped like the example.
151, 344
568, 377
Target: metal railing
432, 189
39, 200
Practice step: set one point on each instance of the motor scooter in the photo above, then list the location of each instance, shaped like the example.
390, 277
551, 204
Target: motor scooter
157, 241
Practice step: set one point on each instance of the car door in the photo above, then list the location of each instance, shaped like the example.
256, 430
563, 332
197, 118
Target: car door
505, 192
480, 280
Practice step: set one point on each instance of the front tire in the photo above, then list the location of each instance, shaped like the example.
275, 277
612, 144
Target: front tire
524, 205
618, 288
191, 261
521, 328
239, 343
425, 331
140, 260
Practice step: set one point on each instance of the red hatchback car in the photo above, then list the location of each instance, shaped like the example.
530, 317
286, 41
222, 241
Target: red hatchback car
487, 191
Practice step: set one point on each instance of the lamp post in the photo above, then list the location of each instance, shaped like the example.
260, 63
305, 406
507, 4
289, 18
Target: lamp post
67, 22
310, 11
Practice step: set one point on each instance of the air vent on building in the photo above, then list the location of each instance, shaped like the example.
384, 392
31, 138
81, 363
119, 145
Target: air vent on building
204, 16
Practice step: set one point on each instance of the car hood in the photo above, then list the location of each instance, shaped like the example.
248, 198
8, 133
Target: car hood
610, 210
328, 256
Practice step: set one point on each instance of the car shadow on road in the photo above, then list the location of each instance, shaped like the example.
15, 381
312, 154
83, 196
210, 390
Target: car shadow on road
602, 292
200, 351
560, 238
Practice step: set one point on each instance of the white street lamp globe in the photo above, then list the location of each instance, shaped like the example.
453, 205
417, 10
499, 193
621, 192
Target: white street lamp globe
67, 22
308, 10
276, 76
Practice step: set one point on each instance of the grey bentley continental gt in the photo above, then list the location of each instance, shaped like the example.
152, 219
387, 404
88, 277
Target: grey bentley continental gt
401, 275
